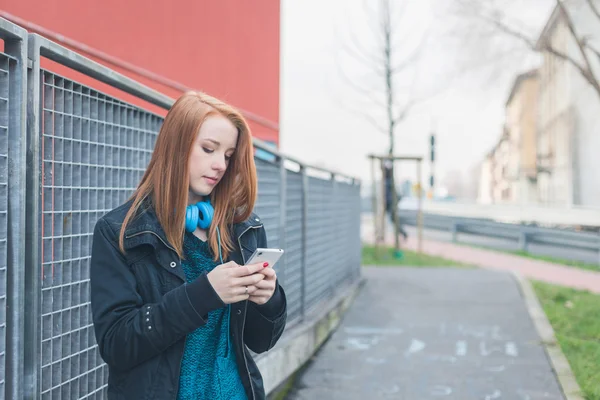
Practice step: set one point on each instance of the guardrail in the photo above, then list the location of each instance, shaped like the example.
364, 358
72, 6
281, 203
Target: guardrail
523, 234
544, 215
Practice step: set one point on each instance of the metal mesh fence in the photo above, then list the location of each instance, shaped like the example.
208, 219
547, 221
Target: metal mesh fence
333, 237
292, 275
350, 245
321, 231
268, 204
95, 150
5, 105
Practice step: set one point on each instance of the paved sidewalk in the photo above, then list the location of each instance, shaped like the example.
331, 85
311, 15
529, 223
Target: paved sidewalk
431, 333
489, 259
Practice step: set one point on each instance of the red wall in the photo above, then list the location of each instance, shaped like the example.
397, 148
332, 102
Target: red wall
227, 48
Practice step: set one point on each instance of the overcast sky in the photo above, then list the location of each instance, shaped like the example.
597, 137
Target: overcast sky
321, 115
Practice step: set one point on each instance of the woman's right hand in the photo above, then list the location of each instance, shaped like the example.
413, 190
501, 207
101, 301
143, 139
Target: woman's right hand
230, 281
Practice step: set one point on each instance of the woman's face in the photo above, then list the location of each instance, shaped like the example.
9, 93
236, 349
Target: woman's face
213, 147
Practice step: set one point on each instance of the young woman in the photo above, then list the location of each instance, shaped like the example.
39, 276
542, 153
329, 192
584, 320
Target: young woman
174, 305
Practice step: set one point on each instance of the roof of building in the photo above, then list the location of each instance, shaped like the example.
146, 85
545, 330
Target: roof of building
519, 80
548, 28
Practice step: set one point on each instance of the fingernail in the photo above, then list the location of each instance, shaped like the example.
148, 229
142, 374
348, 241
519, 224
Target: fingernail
265, 265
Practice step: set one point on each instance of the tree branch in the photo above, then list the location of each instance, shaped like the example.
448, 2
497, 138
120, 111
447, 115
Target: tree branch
363, 60
415, 101
410, 104
510, 31
590, 79
398, 14
587, 70
594, 8
374, 58
373, 122
358, 54
362, 90
593, 50
369, 118
371, 15
583, 69
411, 57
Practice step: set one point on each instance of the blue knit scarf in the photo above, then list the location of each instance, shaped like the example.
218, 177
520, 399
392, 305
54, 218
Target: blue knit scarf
208, 367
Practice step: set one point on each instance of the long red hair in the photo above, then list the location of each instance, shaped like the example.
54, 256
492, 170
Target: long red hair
166, 180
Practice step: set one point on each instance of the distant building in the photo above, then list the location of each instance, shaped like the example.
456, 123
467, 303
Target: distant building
508, 173
568, 116
563, 110
521, 110
484, 194
501, 190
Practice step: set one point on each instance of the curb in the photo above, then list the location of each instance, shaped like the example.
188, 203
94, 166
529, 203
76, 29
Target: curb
559, 362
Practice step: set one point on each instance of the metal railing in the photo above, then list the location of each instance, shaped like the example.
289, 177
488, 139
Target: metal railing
522, 234
85, 153
13, 84
541, 214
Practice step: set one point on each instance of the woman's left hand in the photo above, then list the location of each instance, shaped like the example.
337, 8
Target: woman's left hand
265, 288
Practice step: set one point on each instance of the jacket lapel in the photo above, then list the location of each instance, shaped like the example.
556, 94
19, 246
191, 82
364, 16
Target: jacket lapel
145, 229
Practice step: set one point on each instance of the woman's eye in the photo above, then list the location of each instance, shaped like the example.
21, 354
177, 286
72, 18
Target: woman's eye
227, 157
207, 150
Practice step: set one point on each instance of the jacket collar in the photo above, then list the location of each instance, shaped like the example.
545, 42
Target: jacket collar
252, 222
147, 221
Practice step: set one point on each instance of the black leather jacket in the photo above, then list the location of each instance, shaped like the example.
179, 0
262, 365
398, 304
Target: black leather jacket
143, 309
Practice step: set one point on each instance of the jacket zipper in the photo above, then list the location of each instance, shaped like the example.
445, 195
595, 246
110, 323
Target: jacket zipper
245, 310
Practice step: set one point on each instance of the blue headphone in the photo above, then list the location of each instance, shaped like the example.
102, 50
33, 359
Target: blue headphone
200, 215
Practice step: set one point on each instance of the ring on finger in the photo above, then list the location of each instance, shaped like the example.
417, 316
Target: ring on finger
246, 292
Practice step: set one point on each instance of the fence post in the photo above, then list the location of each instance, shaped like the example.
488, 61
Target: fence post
356, 213
333, 271
15, 45
304, 244
282, 215
32, 222
454, 231
522, 239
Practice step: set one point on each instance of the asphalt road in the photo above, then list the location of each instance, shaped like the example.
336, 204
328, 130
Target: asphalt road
421, 334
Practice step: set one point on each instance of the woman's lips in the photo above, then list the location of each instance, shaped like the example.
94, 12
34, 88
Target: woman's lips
211, 180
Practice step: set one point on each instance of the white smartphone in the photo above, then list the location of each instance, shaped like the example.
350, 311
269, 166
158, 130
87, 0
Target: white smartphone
265, 255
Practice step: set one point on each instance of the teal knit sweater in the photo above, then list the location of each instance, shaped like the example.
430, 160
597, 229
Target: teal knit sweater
208, 367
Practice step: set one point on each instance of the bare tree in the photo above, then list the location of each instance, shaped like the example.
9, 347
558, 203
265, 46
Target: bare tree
389, 83
494, 17
389, 63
